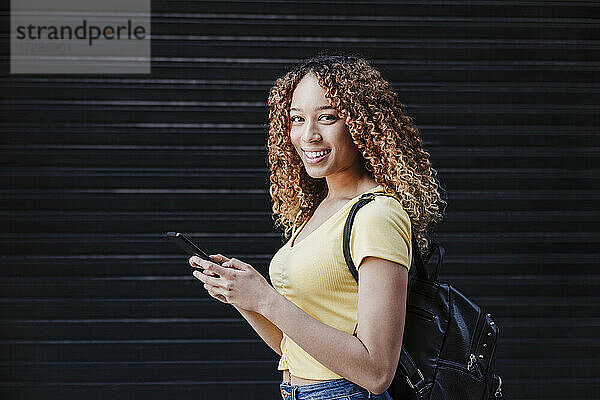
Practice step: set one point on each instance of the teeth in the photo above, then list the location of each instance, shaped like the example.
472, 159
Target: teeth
316, 154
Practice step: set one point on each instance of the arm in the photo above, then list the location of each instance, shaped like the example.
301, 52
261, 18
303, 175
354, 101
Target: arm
369, 359
271, 335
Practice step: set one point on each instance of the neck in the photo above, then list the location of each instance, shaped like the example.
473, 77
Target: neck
348, 188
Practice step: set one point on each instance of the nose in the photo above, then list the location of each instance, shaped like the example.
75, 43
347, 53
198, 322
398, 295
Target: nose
310, 132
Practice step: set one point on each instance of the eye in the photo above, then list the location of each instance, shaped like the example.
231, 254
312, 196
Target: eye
327, 117
333, 117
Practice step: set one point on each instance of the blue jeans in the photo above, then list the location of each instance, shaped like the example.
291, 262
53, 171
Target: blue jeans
339, 389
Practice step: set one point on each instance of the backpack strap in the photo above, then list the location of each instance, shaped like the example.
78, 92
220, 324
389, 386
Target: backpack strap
413, 374
416, 253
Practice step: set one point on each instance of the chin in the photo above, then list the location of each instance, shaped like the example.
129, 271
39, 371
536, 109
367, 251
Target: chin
313, 175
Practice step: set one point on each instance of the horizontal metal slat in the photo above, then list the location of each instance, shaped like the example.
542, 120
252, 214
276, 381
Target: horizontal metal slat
150, 371
188, 286
500, 306
193, 350
222, 91
384, 27
129, 329
120, 200
214, 134
496, 9
97, 156
132, 350
577, 389
249, 178
264, 242
225, 329
416, 71
159, 390
132, 264
57, 222
140, 371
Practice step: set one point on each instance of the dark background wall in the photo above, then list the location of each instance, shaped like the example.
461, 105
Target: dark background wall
95, 168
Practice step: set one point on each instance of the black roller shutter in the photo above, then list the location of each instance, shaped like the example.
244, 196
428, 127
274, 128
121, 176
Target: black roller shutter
94, 169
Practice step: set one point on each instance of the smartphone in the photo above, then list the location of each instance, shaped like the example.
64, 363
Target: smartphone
189, 247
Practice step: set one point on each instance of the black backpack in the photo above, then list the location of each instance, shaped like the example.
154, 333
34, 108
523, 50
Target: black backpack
449, 343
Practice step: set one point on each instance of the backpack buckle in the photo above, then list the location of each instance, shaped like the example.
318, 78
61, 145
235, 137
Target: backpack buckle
421, 380
367, 195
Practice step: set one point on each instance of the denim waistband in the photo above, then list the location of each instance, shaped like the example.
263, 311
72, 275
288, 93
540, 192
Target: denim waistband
330, 389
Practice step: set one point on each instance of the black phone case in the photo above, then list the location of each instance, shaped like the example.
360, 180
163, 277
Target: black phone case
189, 247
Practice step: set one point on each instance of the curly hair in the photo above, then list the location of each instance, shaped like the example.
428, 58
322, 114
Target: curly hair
391, 147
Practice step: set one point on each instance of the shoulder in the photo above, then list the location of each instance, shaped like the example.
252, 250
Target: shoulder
382, 229
382, 209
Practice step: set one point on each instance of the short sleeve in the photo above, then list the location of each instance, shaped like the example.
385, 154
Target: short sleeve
381, 229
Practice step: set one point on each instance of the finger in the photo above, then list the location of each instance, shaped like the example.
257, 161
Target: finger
216, 292
209, 289
207, 279
220, 258
193, 260
236, 264
211, 292
223, 271
201, 263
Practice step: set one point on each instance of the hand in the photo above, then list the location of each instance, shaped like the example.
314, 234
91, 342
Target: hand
238, 284
219, 259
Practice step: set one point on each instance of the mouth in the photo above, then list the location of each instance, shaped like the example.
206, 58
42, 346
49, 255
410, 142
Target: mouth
313, 157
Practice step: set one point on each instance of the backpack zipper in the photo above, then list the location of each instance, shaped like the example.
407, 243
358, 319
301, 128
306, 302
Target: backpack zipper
461, 367
472, 365
493, 348
456, 365
498, 392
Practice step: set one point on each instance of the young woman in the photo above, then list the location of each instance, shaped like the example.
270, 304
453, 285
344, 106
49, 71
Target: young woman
337, 130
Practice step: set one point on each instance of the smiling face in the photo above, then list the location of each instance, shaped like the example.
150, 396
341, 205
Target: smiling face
319, 135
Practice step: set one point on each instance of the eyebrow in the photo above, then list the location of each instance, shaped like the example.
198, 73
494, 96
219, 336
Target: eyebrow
327, 107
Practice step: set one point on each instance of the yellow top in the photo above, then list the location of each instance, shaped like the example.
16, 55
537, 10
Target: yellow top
314, 275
